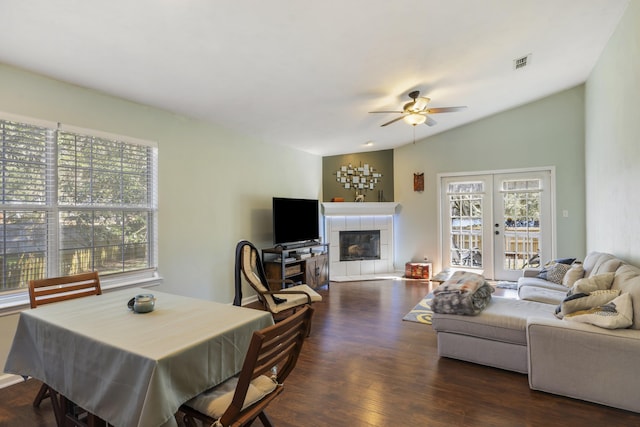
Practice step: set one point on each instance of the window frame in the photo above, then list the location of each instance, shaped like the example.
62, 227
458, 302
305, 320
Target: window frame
13, 299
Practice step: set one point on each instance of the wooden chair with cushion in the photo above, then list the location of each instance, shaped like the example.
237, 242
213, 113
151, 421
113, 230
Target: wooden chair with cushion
46, 291
285, 300
272, 355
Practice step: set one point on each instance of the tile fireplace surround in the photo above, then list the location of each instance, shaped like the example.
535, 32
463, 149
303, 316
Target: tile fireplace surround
345, 216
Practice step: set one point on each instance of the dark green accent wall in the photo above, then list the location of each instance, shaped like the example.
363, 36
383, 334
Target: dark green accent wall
381, 161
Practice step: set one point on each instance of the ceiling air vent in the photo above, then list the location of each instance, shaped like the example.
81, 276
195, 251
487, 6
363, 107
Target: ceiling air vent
521, 62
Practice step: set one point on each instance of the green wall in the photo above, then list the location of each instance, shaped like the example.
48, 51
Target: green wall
548, 132
215, 187
381, 161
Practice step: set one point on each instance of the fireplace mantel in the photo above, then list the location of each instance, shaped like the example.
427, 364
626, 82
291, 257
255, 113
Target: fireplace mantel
358, 209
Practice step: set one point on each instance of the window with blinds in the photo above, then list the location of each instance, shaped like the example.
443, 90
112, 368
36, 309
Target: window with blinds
74, 200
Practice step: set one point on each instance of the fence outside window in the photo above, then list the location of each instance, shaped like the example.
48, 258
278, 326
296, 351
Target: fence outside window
74, 200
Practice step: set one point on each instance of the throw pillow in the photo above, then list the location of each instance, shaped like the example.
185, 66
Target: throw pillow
556, 273
578, 302
616, 314
593, 283
629, 283
550, 264
575, 273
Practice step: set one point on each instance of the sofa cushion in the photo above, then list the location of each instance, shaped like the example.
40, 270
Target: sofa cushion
575, 273
616, 314
608, 266
600, 262
540, 283
627, 280
503, 320
583, 301
534, 289
543, 295
592, 259
623, 273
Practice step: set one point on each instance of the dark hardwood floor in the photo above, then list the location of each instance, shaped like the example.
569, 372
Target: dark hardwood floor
364, 366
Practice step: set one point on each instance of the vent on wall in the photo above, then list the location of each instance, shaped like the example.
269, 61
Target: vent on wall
521, 62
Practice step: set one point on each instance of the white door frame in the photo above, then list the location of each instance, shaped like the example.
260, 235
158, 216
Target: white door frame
489, 269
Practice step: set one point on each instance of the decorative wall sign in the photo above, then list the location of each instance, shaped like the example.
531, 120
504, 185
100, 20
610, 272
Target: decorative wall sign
362, 177
418, 181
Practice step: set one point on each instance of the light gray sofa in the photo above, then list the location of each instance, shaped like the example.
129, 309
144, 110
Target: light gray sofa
562, 357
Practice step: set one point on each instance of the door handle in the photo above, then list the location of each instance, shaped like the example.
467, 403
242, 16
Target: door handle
497, 232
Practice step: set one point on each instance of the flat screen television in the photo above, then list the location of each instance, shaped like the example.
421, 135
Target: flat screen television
295, 220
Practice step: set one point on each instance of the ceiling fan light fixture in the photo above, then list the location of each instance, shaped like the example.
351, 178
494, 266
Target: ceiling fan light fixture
415, 119
415, 111
420, 103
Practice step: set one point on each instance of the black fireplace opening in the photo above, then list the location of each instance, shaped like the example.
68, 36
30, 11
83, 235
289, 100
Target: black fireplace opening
359, 245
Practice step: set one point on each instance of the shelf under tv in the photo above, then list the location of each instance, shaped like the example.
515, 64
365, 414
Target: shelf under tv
298, 245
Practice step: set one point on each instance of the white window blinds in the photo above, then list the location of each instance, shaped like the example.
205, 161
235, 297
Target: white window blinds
74, 200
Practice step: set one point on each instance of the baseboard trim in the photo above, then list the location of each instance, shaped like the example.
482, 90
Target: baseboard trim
249, 300
7, 380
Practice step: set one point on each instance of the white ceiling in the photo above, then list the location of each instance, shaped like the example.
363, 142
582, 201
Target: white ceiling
306, 74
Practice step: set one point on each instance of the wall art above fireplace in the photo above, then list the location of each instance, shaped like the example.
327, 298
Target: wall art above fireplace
361, 177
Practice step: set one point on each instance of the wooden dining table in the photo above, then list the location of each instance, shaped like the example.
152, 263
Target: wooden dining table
132, 369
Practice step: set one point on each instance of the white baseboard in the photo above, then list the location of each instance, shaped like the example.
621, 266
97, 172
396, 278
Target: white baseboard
249, 300
9, 379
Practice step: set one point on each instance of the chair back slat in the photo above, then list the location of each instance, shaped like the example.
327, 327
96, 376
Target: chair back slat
278, 348
273, 351
46, 291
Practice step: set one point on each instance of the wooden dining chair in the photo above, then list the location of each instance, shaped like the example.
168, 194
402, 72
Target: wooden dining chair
272, 355
46, 291
279, 303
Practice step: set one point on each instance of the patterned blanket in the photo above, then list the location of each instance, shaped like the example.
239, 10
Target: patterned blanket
464, 293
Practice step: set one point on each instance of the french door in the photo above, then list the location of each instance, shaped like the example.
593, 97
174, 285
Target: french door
497, 223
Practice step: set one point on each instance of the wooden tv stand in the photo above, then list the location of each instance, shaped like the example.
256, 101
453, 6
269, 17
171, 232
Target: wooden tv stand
308, 264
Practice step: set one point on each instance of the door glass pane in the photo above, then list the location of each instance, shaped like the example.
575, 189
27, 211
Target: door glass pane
521, 203
465, 215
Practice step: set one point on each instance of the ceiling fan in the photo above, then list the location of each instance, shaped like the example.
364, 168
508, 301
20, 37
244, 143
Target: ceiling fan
415, 111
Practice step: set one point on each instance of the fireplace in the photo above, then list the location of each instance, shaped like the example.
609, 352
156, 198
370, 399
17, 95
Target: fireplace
359, 219
359, 245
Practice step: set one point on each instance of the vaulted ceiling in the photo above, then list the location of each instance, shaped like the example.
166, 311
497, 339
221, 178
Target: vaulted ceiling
306, 74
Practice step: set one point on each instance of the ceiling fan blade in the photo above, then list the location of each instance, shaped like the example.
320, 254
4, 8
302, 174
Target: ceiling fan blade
430, 121
392, 121
386, 111
444, 110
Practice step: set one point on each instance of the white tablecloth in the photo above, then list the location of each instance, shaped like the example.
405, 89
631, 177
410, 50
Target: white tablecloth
133, 369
